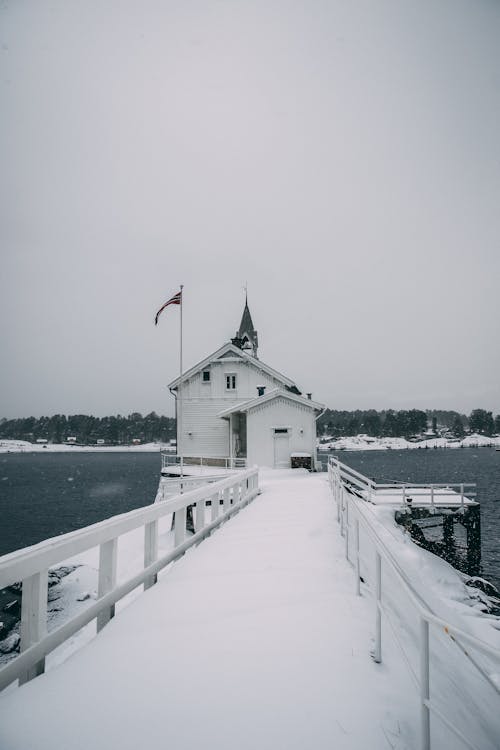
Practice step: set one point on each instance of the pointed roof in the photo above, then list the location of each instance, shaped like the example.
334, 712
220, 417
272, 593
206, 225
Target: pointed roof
246, 336
246, 325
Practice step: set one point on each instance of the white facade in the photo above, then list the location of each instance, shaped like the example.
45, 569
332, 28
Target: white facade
234, 405
279, 425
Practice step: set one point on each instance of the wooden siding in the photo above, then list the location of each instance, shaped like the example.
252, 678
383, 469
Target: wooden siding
248, 378
299, 419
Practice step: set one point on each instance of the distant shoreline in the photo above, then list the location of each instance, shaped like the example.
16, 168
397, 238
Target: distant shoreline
365, 443
21, 446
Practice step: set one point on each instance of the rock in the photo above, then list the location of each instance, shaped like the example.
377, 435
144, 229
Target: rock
10, 644
485, 586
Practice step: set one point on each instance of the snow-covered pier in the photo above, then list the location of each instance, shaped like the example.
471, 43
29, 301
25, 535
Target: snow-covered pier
260, 636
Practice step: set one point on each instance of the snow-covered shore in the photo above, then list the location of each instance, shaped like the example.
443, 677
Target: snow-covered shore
365, 443
23, 446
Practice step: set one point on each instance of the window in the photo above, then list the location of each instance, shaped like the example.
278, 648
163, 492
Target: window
280, 430
230, 382
205, 376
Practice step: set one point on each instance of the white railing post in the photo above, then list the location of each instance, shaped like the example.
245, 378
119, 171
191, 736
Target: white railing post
215, 506
462, 498
433, 507
356, 547
425, 717
150, 550
347, 527
199, 523
377, 651
342, 495
107, 578
180, 526
227, 500
33, 618
339, 498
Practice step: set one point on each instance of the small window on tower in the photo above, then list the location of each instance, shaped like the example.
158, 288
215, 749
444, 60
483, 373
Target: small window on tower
231, 382
205, 376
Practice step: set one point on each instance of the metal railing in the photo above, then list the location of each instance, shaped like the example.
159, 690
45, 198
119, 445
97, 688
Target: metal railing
31, 565
354, 513
169, 460
449, 490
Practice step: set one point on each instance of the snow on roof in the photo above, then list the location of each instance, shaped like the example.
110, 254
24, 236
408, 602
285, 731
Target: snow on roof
257, 363
271, 396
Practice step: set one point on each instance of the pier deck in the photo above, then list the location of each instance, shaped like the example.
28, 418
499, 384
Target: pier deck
254, 639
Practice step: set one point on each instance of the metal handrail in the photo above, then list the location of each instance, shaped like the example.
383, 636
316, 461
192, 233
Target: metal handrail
225, 462
346, 503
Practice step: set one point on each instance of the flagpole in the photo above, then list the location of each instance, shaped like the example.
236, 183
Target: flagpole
179, 415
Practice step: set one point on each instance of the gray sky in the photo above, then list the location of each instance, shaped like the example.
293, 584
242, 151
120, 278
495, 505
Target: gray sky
342, 157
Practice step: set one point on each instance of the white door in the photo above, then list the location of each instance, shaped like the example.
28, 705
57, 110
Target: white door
281, 450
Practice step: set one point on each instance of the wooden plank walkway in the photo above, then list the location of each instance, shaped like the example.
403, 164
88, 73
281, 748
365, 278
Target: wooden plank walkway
253, 640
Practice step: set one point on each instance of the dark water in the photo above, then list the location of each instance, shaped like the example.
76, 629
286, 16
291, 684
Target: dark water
479, 465
43, 495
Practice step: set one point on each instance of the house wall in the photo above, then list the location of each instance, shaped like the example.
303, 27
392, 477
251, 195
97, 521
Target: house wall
203, 433
279, 413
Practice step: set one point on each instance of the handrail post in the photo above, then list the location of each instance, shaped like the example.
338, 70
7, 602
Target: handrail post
356, 547
150, 550
215, 507
200, 515
433, 507
107, 578
347, 528
180, 526
33, 618
424, 685
377, 650
227, 500
462, 498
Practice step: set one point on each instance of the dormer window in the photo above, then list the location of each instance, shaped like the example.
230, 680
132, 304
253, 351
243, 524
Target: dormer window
205, 376
230, 381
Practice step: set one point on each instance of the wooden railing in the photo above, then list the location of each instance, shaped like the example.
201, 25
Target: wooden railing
354, 513
31, 565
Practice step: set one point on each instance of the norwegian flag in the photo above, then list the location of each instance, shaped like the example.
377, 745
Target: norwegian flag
175, 300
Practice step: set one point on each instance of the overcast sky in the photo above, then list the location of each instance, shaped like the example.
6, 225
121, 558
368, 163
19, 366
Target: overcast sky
342, 157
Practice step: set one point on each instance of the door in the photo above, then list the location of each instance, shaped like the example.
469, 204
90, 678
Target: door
281, 450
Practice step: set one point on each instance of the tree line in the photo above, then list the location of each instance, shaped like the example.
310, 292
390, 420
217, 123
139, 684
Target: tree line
115, 430
120, 430
406, 423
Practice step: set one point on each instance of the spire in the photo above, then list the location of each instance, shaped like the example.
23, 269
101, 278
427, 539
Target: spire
246, 336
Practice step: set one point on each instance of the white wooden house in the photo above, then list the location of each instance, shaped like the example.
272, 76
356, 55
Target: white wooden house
236, 406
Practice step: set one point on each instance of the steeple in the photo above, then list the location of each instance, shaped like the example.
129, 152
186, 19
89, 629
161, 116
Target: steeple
246, 336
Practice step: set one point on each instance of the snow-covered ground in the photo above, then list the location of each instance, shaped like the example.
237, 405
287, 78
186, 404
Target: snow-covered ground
255, 639
23, 446
365, 443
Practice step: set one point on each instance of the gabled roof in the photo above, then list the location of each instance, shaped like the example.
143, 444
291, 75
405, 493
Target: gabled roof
230, 349
274, 394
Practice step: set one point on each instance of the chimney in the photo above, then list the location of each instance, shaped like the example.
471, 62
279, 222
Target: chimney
260, 390
309, 396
